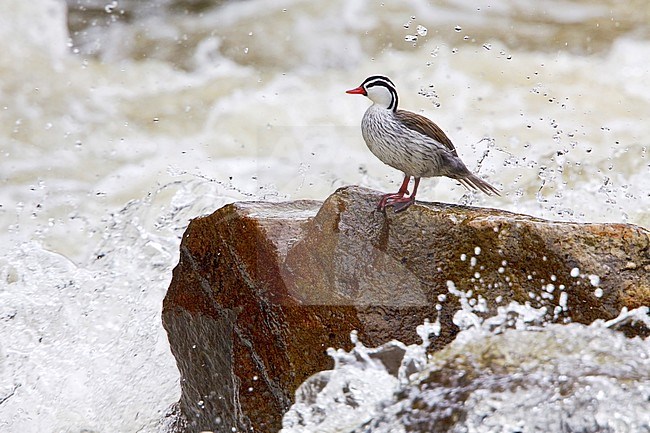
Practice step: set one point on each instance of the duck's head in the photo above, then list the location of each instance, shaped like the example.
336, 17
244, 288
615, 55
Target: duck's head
380, 90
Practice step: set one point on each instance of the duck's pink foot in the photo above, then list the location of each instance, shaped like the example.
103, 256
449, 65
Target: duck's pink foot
398, 201
389, 197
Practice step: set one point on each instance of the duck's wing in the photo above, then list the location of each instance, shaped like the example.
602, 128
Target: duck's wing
426, 127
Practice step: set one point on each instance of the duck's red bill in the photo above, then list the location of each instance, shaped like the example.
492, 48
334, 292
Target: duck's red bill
358, 91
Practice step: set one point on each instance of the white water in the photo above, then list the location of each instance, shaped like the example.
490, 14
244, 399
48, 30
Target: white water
113, 137
524, 375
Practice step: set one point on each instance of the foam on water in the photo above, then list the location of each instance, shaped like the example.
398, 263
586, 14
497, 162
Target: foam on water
113, 136
83, 347
522, 374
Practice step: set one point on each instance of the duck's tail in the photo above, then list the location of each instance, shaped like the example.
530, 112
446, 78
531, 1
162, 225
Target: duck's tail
474, 182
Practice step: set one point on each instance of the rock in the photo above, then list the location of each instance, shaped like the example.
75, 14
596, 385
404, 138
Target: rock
263, 289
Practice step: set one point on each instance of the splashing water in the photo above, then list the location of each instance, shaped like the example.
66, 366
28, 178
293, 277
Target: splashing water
509, 372
85, 340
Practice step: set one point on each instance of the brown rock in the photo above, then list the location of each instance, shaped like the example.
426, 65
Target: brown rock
263, 289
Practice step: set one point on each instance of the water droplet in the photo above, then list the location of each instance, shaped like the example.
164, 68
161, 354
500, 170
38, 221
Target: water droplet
410, 38
575, 272
487, 46
109, 8
594, 280
458, 28
421, 30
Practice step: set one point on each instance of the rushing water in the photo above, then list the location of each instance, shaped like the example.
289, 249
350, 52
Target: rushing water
121, 120
509, 373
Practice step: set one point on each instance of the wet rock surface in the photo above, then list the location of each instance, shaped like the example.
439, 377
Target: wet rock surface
263, 289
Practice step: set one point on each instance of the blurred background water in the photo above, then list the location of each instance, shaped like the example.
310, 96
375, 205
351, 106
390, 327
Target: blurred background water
121, 120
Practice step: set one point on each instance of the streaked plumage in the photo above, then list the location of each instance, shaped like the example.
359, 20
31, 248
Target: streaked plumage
409, 142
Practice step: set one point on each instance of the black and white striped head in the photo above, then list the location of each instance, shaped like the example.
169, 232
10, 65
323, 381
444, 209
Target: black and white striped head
380, 90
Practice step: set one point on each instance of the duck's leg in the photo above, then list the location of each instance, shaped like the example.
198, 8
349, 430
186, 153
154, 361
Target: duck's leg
399, 195
403, 203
